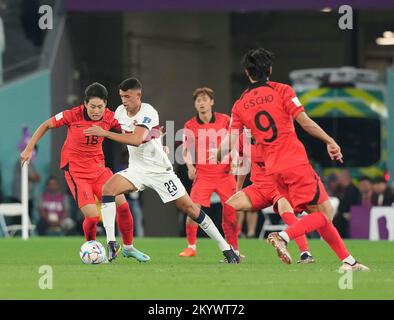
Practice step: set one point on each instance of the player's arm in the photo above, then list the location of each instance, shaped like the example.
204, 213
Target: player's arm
227, 145
27, 153
240, 182
314, 130
235, 128
187, 157
133, 139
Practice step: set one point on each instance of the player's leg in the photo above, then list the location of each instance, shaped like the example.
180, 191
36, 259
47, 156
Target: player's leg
286, 213
170, 188
186, 205
125, 224
191, 237
225, 188
331, 235
251, 223
201, 195
303, 187
240, 201
83, 194
114, 186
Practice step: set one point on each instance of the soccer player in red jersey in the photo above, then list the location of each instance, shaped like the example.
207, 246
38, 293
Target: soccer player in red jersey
82, 160
262, 193
268, 108
202, 134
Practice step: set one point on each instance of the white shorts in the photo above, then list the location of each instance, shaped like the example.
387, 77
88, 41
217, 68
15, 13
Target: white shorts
166, 183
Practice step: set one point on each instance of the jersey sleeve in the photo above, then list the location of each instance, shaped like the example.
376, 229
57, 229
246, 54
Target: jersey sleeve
64, 118
236, 122
291, 103
116, 126
148, 119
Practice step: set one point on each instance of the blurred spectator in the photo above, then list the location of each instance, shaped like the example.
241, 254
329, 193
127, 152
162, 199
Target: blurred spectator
30, 18
2, 49
54, 211
382, 195
133, 198
365, 188
334, 188
350, 196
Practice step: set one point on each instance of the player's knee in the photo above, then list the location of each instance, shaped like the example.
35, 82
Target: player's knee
108, 190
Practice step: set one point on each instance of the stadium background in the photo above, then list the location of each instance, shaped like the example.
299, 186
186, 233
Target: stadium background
172, 50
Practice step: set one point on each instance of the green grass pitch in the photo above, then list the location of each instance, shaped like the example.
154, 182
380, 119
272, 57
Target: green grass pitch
167, 276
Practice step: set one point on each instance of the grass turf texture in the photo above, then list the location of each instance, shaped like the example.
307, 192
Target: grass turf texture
167, 276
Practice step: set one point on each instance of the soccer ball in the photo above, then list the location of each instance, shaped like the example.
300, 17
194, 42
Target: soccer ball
93, 252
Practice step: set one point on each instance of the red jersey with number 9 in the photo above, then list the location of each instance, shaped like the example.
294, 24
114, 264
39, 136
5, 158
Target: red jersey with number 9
82, 155
268, 110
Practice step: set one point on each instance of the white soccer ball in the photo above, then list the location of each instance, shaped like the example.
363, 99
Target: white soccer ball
93, 252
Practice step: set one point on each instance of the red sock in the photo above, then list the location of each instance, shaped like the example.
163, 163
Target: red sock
330, 234
230, 225
191, 234
289, 218
89, 227
306, 224
125, 223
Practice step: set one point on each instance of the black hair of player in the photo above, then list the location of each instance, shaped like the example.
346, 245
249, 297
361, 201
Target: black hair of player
96, 90
130, 84
258, 63
364, 178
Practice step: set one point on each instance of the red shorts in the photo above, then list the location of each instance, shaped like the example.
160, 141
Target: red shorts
301, 186
203, 187
262, 194
84, 190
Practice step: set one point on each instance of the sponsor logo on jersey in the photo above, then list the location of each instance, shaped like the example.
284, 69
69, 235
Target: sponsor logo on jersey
147, 120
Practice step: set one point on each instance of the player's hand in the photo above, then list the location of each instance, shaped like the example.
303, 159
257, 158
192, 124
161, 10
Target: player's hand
95, 131
26, 156
213, 156
334, 151
191, 172
166, 150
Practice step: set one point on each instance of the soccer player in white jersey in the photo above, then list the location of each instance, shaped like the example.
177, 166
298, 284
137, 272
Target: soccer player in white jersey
149, 166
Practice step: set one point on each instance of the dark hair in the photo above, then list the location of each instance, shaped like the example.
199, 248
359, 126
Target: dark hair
364, 178
258, 63
51, 178
379, 180
203, 90
96, 90
130, 84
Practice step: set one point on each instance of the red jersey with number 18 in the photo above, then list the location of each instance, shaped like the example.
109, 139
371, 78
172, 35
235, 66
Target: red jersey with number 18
268, 110
83, 155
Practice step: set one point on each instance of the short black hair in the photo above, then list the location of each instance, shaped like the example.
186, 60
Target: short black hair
379, 180
258, 63
130, 84
96, 90
364, 178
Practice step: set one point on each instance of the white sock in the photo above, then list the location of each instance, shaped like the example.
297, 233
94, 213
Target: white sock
210, 229
350, 260
192, 246
108, 212
128, 246
284, 236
